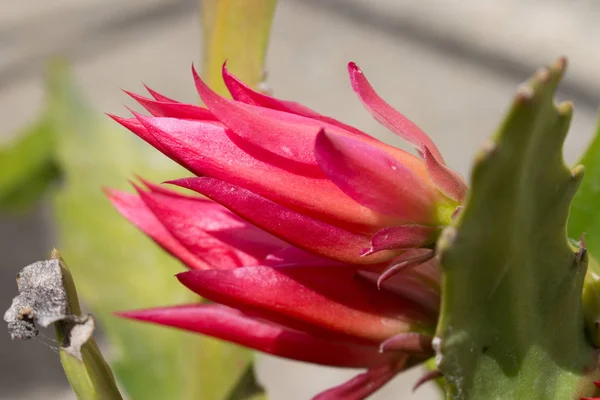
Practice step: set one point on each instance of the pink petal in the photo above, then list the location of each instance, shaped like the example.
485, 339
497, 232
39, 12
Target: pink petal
293, 227
401, 237
205, 148
446, 180
134, 209
210, 231
387, 115
325, 300
287, 135
365, 384
243, 93
234, 326
374, 178
175, 110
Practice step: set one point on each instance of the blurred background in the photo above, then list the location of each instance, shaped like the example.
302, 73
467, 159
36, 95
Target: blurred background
450, 66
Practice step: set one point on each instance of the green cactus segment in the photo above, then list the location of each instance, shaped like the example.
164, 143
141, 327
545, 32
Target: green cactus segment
584, 219
511, 325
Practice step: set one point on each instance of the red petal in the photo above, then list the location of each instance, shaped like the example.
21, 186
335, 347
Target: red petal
287, 135
243, 93
446, 180
232, 325
387, 115
300, 230
210, 231
374, 178
326, 300
365, 384
134, 209
205, 148
175, 110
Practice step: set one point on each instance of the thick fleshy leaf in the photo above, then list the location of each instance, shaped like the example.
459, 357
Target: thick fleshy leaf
242, 92
300, 230
137, 212
232, 325
210, 231
446, 180
319, 299
512, 323
174, 110
374, 178
205, 148
387, 115
365, 384
401, 237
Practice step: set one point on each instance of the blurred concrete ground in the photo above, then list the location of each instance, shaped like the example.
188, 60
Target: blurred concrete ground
450, 66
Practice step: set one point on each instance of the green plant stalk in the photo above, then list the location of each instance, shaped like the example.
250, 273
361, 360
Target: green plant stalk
88, 373
236, 31
512, 321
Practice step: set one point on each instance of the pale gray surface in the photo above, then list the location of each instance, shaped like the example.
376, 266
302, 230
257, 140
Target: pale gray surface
451, 66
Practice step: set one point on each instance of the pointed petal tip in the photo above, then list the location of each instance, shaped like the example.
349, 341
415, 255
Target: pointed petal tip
183, 277
353, 68
207, 95
135, 315
157, 96
111, 193
194, 72
120, 120
137, 97
429, 376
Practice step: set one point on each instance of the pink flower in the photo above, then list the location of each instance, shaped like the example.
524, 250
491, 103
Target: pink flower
316, 239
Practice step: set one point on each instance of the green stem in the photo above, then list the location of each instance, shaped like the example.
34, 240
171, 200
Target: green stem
236, 31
